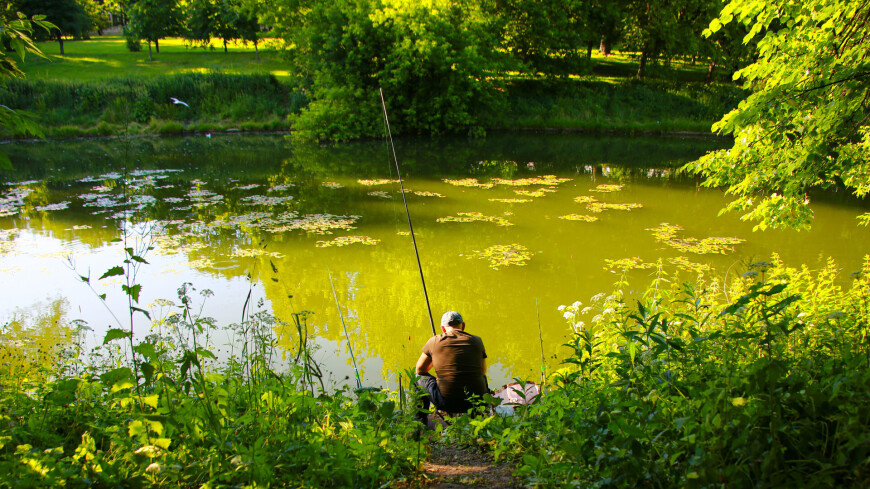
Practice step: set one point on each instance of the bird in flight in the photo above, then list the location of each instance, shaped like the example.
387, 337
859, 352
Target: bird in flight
176, 101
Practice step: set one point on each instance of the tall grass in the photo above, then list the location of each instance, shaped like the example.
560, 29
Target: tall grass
212, 97
629, 105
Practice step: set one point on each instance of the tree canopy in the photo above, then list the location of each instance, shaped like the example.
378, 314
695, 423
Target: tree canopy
805, 125
435, 61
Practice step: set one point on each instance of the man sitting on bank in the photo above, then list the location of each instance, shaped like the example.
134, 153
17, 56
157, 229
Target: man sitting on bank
459, 359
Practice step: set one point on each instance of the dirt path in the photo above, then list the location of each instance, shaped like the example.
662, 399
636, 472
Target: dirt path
451, 467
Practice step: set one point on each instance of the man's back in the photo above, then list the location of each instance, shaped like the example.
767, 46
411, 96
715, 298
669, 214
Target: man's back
458, 359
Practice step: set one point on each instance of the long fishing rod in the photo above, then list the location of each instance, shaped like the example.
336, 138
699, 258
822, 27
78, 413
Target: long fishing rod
340, 315
407, 212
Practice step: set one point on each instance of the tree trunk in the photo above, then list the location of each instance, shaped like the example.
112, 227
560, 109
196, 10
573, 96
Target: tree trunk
589, 52
149, 51
225, 46
257, 51
709, 77
604, 47
641, 69
157, 45
60, 41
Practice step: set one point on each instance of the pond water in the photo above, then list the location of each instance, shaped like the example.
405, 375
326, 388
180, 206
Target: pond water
508, 229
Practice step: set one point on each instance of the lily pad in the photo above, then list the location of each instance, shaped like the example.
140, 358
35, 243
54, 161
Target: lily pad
579, 217
504, 255
348, 240
468, 182
475, 217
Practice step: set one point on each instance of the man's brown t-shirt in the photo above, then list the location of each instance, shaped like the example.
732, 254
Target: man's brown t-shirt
458, 360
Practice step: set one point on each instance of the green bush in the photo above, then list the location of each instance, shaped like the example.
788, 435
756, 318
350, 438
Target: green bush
761, 385
168, 414
433, 62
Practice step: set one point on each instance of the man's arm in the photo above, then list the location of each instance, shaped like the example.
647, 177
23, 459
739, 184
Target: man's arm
424, 364
483, 365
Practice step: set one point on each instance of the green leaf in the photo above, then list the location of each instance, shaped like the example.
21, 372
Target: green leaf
114, 334
116, 270
133, 292
143, 311
5, 162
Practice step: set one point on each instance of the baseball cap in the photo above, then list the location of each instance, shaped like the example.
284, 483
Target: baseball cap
451, 318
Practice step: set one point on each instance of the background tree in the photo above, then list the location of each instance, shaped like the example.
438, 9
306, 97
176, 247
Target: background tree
248, 24
227, 21
200, 21
806, 124
664, 29
16, 33
153, 20
68, 17
435, 60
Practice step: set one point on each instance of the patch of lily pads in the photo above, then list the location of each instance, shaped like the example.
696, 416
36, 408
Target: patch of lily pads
625, 264
667, 233
504, 255
468, 182
608, 187
512, 201
579, 217
475, 217
379, 181
348, 240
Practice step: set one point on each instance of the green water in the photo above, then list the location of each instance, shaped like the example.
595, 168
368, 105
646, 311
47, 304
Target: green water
236, 214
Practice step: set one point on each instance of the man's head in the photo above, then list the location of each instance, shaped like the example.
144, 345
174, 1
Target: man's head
452, 319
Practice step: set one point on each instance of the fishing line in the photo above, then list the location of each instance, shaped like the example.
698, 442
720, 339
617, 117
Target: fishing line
407, 212
340, 315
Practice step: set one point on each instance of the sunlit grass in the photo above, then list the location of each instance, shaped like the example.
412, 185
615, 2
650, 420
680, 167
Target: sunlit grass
108, 57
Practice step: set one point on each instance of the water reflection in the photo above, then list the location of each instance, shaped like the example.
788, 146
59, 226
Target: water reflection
501, 224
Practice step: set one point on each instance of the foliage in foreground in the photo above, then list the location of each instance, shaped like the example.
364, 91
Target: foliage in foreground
172, 416
761, 385
805, 126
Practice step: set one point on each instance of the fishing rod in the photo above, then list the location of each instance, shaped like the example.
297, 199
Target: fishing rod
541, 339
340, 315
407, 212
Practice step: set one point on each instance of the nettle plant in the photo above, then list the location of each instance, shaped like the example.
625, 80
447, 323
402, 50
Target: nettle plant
167, 411
698, 385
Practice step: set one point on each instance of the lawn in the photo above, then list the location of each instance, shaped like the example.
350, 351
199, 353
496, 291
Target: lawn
108, 57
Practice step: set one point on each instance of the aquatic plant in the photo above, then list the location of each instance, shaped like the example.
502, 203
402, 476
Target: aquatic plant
379, 181
667, 233
608, 187
264, 200
548, 180
332, 185
503, 255
251, 252
535, 193
426, 193
249, 186
585, 199
512, 201
381, 194
683, 263
348, 240
316, 223
579, 217
468, 182
633, 263
475, 217
607, 206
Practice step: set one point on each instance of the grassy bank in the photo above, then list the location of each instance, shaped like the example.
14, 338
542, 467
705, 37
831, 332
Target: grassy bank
757, 383
99, 88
